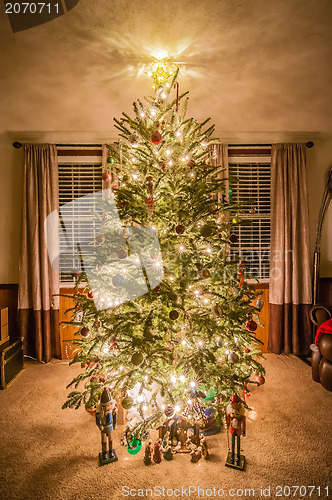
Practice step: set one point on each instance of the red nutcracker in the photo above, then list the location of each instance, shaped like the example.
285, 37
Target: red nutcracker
236, 422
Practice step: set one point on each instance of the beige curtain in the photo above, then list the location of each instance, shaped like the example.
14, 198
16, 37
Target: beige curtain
38, 280
219, 157
290, 279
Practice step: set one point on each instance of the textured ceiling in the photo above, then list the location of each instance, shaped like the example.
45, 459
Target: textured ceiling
252, 65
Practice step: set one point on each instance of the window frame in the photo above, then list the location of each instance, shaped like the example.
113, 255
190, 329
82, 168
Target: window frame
79, 155
255, 155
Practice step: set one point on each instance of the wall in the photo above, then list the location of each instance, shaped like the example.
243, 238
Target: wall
319, 160
261, 70
11, 175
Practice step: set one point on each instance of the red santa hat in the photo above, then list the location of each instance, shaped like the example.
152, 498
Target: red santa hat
324, 328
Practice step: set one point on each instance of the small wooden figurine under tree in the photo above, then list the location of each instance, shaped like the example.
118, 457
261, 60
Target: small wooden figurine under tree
148, 452
157, 451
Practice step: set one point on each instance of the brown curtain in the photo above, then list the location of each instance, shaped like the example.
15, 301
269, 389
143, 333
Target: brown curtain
290, 280
38, 280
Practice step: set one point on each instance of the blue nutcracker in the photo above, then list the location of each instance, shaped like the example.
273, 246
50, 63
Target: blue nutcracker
106, 421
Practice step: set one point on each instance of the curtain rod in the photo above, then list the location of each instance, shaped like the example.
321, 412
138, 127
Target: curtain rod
309, 145
18, 145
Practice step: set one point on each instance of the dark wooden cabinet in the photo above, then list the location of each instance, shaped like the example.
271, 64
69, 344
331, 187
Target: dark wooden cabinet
11, 361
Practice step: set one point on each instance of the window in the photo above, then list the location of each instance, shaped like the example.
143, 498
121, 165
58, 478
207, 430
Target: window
79, 175
250, 181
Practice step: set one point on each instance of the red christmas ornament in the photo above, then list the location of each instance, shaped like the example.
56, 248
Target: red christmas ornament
106, 176
156, 137
180, 229
122, 254
85, 332
90, 295
251, 325
174, 314
260, 380
90, 408
191, 164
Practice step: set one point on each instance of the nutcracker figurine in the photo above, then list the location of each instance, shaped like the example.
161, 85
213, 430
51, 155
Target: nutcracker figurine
236, 422
104, 420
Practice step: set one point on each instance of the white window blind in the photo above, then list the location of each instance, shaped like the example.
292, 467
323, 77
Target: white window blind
79, 175
250, 181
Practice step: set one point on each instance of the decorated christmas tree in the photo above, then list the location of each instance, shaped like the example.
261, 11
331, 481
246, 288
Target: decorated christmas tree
167, 319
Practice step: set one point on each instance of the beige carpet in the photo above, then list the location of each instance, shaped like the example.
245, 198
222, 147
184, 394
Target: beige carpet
50, 453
